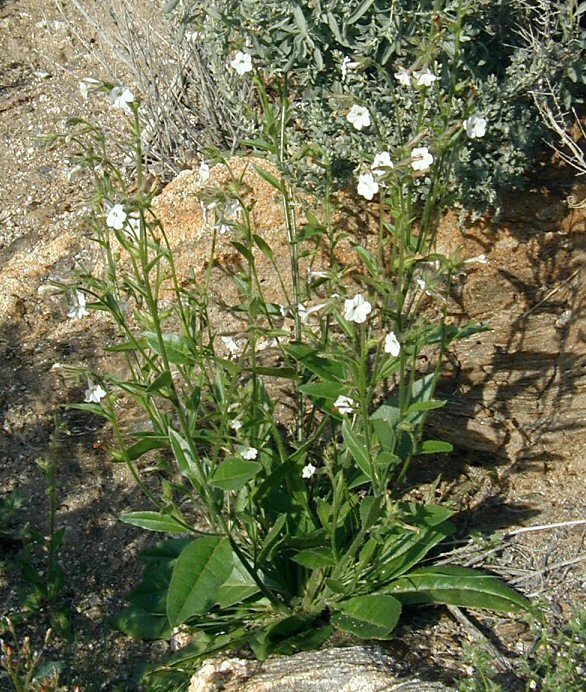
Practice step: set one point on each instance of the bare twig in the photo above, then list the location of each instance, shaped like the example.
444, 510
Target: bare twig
545, 527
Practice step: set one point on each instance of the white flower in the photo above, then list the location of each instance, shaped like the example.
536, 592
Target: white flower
347, 65
242, 63
121, 98
116, 217
357, 309
94, 393
403, 77
475, 126
204, 172
88, 84
78, 310
249, 453
235, 425
367, 186
424, 77
231, 345
382, 162
422, 159
345, 404
392, 345
305, 312
359, 117
308, 471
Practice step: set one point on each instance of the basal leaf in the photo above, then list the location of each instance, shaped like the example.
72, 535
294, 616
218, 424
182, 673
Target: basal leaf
368, 617
435, 447
315, 558
459, 586
200, 570
139, 624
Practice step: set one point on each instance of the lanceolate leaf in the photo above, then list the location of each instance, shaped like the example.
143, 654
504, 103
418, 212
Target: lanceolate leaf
315, 558
459, 586
234, 473
368, 617
200, 570
154, 521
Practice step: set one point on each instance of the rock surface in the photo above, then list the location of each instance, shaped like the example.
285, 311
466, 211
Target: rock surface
348, 669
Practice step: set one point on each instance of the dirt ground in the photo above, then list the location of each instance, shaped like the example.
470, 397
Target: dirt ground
43, 239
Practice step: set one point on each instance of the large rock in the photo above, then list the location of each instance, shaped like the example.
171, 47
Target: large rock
348, 669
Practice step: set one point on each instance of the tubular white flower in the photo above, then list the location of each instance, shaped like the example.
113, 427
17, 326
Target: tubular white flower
235, 425
94, 393
392, 345
424, 77
305, 312
79, 309
359, 117
421, 159
231, 345
475, 126
241, 63
249, 453
132, 228
367, 186
357, 309
308, 471
121, 98
403, 77
204, 172
116, 217
381, 164
345, 404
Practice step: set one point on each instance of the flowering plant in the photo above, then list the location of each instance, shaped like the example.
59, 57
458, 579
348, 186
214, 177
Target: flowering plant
287, 502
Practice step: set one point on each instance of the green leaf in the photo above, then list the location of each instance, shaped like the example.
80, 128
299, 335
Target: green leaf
203, 566
154, 521
183, 456
139, 624
368, 617
360, 12
459, 586
323, 394
234, 473
271, 538
290, 635
426, 405
315, 558
435, 447
263, 246
357, 447
238, 587
162, 381
176, 347
270, 178
328, 369
243, 250
146, 444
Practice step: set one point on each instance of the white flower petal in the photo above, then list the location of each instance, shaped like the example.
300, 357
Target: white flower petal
359, 117
357, 309
367, 186
249, 453
308, 471
421, 159
392, 345
241, 63
475, 126
382, 163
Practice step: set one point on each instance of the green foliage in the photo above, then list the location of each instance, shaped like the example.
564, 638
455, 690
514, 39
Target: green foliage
489, 57
286, 480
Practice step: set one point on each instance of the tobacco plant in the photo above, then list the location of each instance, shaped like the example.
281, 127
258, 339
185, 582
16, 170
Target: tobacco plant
286, 483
